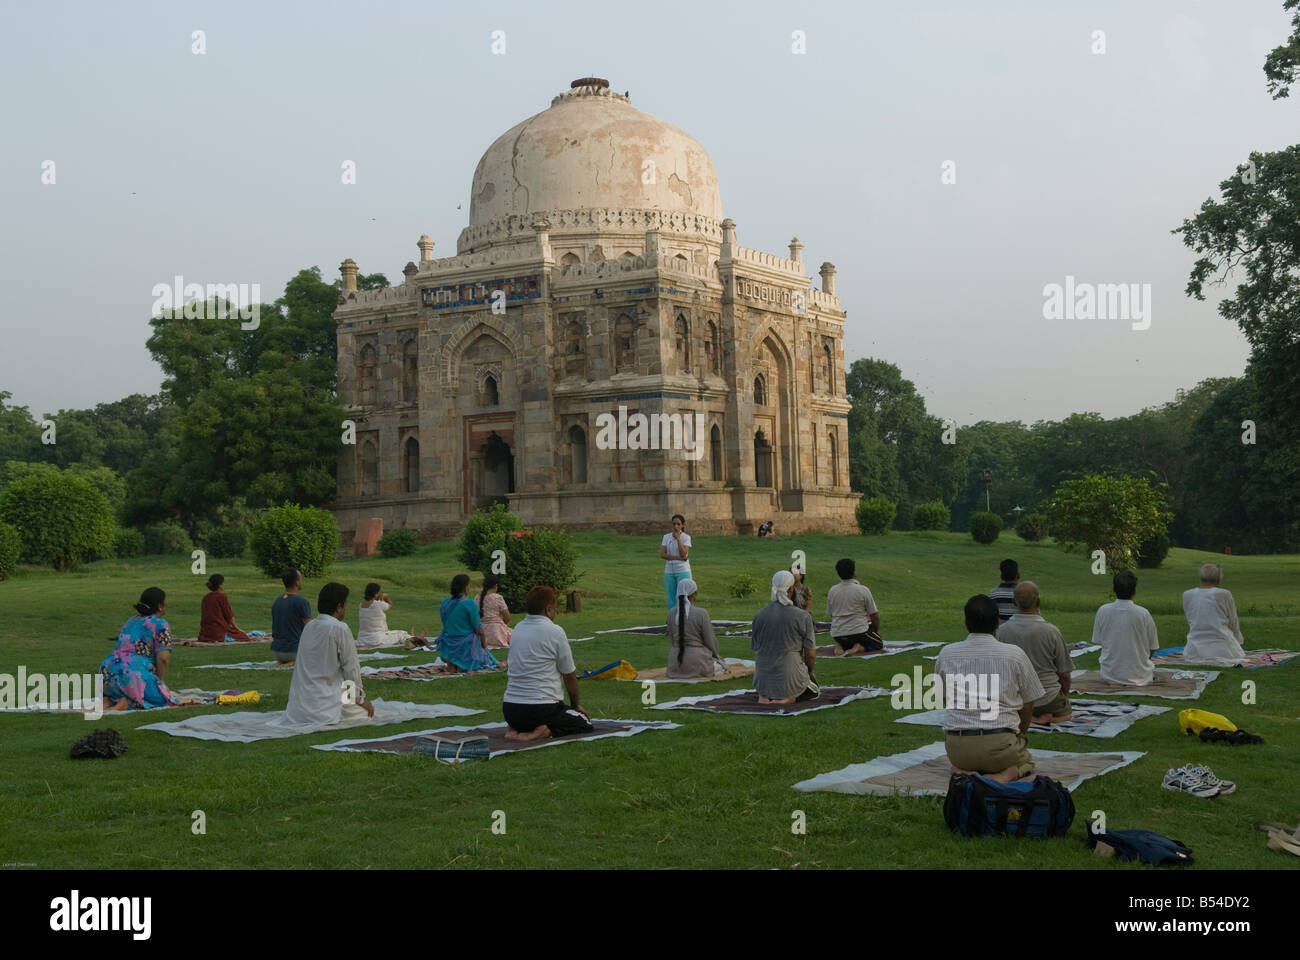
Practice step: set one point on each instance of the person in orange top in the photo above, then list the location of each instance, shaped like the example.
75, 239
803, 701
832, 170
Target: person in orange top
216, 619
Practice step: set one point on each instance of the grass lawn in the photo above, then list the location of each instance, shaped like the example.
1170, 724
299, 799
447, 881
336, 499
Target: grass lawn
715, 793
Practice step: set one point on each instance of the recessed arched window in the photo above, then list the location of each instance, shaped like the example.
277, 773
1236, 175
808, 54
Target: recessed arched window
682, 343
570, 260
712, 347
624, 344
369, 468
762, 461
835, 460
411, 471
410, 372
367, 366
715, 452
828, 349
574, 349
491, 396
578, 454
760, 391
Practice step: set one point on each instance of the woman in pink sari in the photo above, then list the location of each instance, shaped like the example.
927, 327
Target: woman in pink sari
494, 613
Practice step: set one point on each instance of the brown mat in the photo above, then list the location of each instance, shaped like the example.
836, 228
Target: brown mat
1164, 684
828, 651
735, 671
496, 734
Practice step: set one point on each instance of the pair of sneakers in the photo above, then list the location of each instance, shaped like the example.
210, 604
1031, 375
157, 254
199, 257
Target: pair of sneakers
1198, 780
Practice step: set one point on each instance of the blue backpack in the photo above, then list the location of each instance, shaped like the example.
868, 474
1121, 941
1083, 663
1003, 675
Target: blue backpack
979, 807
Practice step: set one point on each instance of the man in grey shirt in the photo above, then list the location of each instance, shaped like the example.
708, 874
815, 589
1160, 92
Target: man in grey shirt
785, 649
1045, 646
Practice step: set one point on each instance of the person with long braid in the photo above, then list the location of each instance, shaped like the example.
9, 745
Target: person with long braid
694, 650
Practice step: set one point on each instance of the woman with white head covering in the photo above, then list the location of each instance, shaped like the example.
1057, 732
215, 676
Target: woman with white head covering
694, 650
785, 649
1213, 632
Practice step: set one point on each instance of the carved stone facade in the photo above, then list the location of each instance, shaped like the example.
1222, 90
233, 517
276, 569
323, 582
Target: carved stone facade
485, 376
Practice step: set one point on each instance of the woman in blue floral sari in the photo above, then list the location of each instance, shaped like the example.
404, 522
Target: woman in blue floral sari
461, 642
134, 671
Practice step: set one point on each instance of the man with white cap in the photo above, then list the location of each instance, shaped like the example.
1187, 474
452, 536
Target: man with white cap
694, 647
785, 649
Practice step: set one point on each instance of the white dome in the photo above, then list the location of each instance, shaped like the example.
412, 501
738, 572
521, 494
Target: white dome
593, 150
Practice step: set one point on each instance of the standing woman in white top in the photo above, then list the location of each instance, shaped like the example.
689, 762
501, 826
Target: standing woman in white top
1213, 632
675, 549
373, 630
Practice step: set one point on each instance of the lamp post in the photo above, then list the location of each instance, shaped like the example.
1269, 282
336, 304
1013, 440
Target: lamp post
1016, 511
987, 477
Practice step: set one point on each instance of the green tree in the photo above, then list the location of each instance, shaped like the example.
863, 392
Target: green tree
1112, 514
20, 437
1282, 65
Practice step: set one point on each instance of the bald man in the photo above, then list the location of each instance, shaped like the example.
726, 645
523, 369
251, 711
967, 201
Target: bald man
1045, 646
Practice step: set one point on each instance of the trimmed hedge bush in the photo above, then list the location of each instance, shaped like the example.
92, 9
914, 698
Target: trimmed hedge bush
931, 516
226, 542
11, 547
1032, 527
875, 516
167, 539
398, 543
61, 519
542, 556
128, 543
302, 537
484, 532
1151, 553
984, 526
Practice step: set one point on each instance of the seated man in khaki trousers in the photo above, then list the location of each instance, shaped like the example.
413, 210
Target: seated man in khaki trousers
989, 693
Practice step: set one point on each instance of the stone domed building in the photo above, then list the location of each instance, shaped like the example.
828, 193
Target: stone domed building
600, 353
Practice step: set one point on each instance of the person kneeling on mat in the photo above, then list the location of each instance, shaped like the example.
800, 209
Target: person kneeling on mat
540, 669
785, 650
989, 691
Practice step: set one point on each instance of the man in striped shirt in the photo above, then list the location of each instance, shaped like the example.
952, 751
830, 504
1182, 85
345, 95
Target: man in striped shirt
1004, 593
989, 693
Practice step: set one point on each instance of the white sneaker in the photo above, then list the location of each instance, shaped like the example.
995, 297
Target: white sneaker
1185, 782
1207, 777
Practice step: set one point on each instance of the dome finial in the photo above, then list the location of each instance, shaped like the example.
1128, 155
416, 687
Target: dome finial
589, 82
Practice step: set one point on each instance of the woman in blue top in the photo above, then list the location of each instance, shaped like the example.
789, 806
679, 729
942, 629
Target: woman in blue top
134, 671
461, 642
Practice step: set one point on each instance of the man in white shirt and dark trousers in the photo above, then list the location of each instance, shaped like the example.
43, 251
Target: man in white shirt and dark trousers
990, 688
540, 670
326, 684
1127, 635
855, 621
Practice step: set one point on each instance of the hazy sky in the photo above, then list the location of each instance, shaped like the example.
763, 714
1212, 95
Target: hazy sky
225, 167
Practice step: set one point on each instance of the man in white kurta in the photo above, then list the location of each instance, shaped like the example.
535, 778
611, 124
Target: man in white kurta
1127, 634
1213, 632
326, 685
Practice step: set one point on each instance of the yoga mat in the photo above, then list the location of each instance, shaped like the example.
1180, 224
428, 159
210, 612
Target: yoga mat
819, 626
891, 648
1077, 649
925, 771
277, 665
196, 642
189, 697
736, 670
248, 727
497, 742
663, 627
746, 701
1090, 718
434, 670
1173, 657
1169, 684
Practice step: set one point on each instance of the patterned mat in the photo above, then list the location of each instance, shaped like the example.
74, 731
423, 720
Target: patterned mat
736, 670
1173, 657
434, 670
1089, 718
746, 701
891, 648
925, 771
